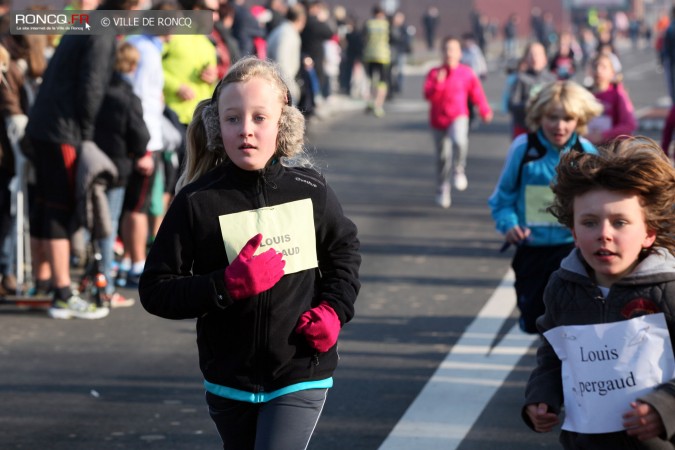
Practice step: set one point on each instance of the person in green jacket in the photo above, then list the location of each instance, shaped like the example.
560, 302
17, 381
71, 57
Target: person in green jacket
190, 71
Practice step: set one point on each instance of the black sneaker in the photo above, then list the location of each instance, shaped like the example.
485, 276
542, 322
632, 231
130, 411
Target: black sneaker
132, 280
121, 278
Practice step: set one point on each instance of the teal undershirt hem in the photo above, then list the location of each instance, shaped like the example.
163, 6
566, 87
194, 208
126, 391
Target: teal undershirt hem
263, 397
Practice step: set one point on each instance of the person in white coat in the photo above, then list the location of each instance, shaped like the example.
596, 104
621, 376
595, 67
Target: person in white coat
284, 45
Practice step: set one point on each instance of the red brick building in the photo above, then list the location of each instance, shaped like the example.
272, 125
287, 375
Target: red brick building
455, 14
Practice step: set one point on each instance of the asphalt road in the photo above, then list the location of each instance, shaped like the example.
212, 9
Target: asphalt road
131, 381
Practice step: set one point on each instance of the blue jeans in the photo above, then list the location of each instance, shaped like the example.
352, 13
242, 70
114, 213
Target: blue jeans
115, 200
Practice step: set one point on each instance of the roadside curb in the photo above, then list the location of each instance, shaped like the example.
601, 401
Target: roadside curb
651, 118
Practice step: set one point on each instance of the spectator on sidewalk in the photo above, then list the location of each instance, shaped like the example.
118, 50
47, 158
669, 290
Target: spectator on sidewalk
189, 63
23, 75
148, 83
80, 68
278, 10
430, 21
245, 28
13, 106
316, 31
227, 47
400, 39
122, 135
352, 76
284, 45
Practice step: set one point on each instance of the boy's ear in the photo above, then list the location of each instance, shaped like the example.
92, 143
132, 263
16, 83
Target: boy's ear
649, 239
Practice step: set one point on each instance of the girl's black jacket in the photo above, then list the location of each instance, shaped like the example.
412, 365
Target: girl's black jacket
250, 344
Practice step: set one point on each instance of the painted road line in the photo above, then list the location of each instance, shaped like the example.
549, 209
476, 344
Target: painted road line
458, 392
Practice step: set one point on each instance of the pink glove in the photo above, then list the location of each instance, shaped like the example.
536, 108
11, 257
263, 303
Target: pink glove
250, 275
321, 327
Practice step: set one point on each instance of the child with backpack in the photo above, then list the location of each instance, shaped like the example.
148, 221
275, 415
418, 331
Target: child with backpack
556, 117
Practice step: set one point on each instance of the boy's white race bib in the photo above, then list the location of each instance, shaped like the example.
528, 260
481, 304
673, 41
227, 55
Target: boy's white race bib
607, 366
287, 228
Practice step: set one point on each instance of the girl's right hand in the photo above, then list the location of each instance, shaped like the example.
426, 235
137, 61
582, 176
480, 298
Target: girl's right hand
542, 420
249, 274
517, 235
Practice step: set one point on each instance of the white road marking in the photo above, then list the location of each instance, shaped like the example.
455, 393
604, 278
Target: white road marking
456, 395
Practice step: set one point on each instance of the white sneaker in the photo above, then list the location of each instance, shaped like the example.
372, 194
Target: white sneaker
461, 183
60, 310
93, 313
82, 309
443, 197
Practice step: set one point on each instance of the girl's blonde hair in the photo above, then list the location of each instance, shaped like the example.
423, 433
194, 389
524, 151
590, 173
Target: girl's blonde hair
634, 164
575, 100
204, 146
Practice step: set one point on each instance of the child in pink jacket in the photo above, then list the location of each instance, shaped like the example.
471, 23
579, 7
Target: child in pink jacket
448, 88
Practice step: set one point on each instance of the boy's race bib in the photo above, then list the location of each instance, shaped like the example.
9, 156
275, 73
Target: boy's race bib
607, 366
537, 199
287, 228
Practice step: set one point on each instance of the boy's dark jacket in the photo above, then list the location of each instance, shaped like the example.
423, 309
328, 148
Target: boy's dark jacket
250, 344
572, 298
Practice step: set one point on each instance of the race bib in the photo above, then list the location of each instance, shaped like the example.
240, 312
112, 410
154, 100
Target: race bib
600, 124
537, 199
607, 366
287, 228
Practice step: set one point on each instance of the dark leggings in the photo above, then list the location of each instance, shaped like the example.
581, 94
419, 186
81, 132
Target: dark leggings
533, 266
285, 423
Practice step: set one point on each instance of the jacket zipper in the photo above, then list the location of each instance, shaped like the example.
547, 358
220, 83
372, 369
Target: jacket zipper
261, 339
603, 302
261, 189
260, 310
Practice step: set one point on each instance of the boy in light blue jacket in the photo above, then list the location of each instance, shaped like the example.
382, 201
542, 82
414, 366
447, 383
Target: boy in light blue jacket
556, 116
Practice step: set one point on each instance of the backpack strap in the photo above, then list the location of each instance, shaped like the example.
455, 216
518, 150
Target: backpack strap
536, 150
